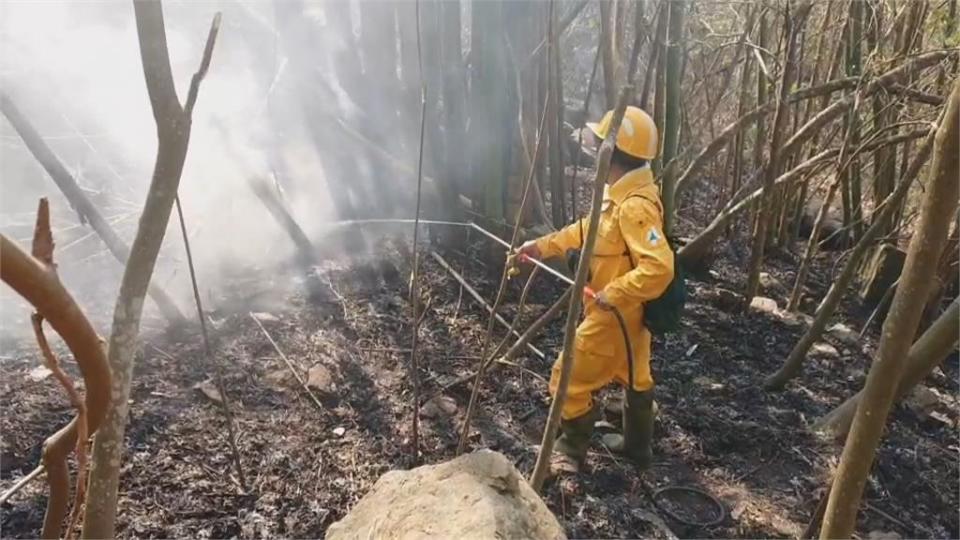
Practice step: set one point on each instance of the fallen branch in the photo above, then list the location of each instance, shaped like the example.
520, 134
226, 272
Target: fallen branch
886, 80
306, 254
31, 476
531, 332
516, 318
902, 71
794, 362
296, 374
924, 355
85, 208
479, 298
694, 250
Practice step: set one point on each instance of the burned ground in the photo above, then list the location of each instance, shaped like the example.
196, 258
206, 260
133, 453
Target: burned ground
718, 430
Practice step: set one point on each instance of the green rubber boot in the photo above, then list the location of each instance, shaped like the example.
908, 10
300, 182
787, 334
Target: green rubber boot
571, 447
636, 442
614, 409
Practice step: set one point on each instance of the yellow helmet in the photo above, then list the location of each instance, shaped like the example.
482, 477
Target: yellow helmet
637, 136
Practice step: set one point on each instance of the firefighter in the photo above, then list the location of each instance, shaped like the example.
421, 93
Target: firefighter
632, 263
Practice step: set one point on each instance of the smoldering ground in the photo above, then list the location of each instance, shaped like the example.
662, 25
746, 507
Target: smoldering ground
271, 107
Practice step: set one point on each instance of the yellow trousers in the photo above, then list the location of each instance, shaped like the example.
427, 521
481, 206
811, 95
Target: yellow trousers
600, 357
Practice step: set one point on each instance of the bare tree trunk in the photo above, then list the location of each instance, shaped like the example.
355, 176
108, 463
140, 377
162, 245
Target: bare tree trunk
555, 117
762, 86
736, 146
832, 65
492, 105
939, 204
173, 132
792, 24
454, 92
783, 197
884, 159
948, 274
659, 95
78, 200
791, 367
851, 177
671, 125
812, 243
927, 353
578, 154
844, 164
608, 52
656, 52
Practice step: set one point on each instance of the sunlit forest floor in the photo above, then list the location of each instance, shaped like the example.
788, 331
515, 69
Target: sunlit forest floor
718, 430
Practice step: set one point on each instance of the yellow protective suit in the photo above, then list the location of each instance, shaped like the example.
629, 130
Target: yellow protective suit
632, 263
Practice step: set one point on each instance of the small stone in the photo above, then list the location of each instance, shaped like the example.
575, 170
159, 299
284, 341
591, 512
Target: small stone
39, 373
922, 400
825, 349
763, 304
208, 389
727, 299
768, 282
319, 378
339, 431
263, 316
884, 535
439, 406
707, 383
795, 319
845, 334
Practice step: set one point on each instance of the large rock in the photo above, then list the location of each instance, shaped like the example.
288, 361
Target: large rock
881, 273
479, 495
831, 237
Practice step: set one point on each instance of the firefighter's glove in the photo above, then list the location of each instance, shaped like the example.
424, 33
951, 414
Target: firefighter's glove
602, 302
529, 250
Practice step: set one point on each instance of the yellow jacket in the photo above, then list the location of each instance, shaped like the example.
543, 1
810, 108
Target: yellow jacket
632, 263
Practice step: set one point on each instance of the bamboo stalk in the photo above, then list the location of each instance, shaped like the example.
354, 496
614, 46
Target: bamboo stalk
415, 277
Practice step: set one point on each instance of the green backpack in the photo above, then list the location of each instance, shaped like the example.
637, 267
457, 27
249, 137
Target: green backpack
662, 315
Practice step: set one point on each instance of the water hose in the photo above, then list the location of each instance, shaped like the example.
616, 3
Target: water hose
587, 290
655, 496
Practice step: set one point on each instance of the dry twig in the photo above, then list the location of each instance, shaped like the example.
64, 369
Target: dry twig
296, 374
208, 351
